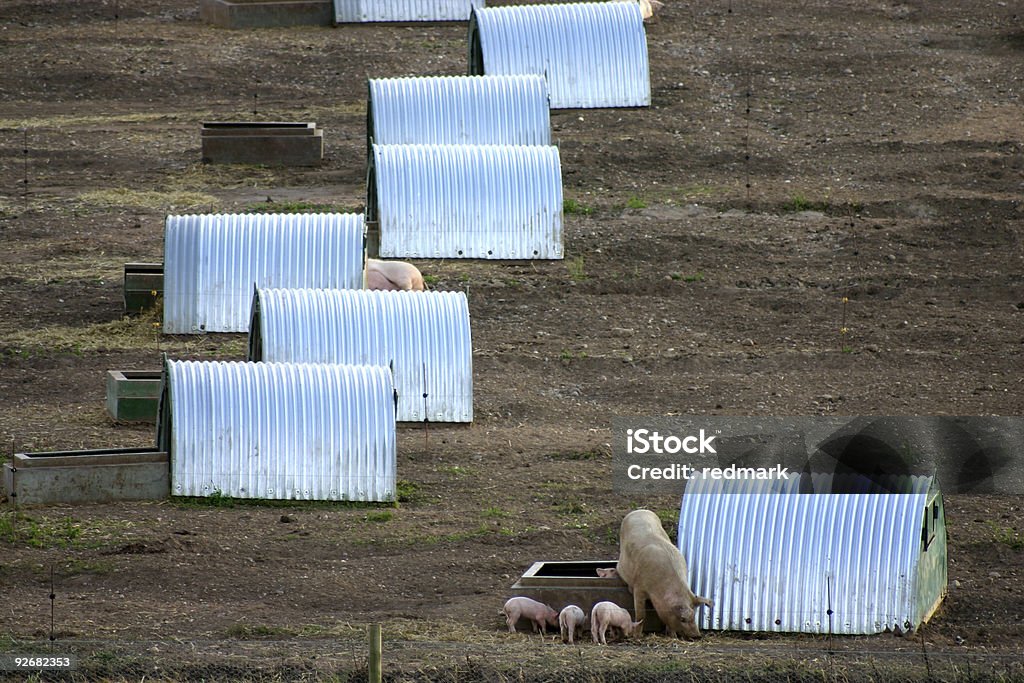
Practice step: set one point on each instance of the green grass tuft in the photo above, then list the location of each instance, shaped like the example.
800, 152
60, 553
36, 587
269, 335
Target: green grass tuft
572, 206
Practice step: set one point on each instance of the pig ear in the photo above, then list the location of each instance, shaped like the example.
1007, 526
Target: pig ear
697, 600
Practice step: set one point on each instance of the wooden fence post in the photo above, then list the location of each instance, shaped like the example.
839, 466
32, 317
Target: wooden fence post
375, 658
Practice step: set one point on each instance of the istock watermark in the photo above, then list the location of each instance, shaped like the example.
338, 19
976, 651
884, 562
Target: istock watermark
846, 454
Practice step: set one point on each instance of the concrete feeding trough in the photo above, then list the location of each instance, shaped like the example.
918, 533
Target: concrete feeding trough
133, 395
143, 285
576, 583
271, 143
98, 476
266, 13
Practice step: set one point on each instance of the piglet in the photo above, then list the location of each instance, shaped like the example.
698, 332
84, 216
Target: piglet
606, 615
570, 622
608, 572
540, 614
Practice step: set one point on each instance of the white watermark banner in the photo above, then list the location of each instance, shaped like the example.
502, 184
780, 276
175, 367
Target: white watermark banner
844, 454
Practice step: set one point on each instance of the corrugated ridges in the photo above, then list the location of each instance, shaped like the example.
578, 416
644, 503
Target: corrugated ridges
212, 262
593, 54
467, 201
459, 110
346, 11
787, 557
282, 430
424, 336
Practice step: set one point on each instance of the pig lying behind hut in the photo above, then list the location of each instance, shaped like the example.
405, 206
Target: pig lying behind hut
607, 615
648, 7
389, 275
653, 568
570, 622
540, 614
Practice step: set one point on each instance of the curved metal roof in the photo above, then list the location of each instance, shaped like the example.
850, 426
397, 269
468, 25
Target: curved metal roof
347, 11
774, 559
467, 201
593, 54
212, 262
423, 336
459, 110
281, 430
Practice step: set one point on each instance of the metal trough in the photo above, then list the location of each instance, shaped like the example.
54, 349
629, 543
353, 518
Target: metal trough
266, 13
96, 476
272, 143
133, 395
143, 284
576, 583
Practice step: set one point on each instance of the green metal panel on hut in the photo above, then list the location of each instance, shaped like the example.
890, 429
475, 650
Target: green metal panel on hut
932, 568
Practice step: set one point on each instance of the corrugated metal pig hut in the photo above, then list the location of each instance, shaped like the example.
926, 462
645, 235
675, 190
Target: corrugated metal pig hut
350, 11
212, 262
466, 201
860, 557
424, 337
458, 110
594, 54
297, 431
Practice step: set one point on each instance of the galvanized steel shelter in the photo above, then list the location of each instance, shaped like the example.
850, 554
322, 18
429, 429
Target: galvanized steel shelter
279, 430
466, 201
458, 110
593, 54
352, 11
212, 262
861, 560
423, 336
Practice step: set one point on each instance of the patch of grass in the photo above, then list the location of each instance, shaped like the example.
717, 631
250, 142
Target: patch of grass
150, 200
295, 207
571, 507
430, 280
1005, 535
407, 491
635, 203
456, 470
379, 516
572, 206
66, 121
801, 203
696, 277
18, 528
129, 333
568, 355
201, 177
577, 269
95, 268
494, 512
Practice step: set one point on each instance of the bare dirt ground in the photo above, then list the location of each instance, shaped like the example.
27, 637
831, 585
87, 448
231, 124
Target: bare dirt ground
795, 154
